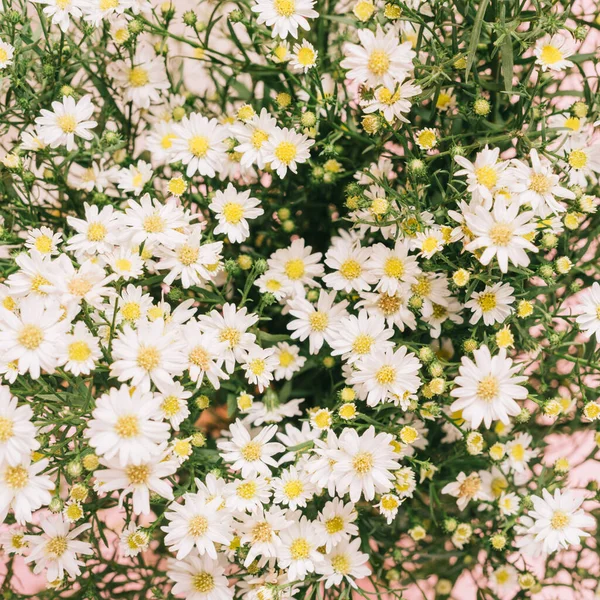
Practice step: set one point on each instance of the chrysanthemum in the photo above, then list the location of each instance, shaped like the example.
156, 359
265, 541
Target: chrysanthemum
351, 264
487, 388
304, 56
467, 488
247, 494
55, 550
127, 424
298, 265
387, 375
551, 52
316, 322
379, 59
61, 11
289, 361
588, 310
559, 520
199, 578
252, 136
493, 304
292, 488
344, 562
519, 452
200, 144
485, 176
298, 553
17, 433
259, 365
133, 178
205, 355
285, 16
79, 350
233, 209
364, 463
392, 103
66, 120
501, 233
336, 522
250, 452
97, 233
286, 149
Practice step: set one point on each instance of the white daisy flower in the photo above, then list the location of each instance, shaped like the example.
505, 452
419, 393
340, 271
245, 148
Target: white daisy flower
286, 149
43, 240
379, 59
537, 185
173, 404
36, 276
336, 522
359, 336
351, 264
233, 209
288, 362
392, 307
24, 489
142, 79
97, 233
61, 11
205, 355
7, 52
30, 339
392, 103
285, 16
17, 433
316, 322
133, 540
304, 56
436, 314
501, 233
197, 523
245, 495
387, 375
252, 136
504, 580
149, 353
364, 463
297, 265
79, 351
66, 120
582, 159
127, 424
298, 553
467, 488
344, 562
588, 310
508, 504
199, 578
200, 144
559, 520
13, 540
429, 242
519, 453
250, 452
137, 480
55, 550
133, 178
292, 488
160, 141
125, 263
493, 304
487, 388
552, 51
259, 365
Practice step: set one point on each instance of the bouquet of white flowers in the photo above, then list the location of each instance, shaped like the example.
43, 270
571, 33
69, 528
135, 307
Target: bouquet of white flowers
299, 299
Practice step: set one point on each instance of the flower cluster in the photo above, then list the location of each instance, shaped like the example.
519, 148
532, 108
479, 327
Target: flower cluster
299, 299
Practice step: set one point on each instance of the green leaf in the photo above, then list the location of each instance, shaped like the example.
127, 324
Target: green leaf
475, 36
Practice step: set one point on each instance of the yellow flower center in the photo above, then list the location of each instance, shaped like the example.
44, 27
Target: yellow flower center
233, 212
138, 77
294, 268
79, 286
470, 486
262, 532
363, 462
246, 490
334, 525
199, 356
350, 269
362, 344
306, 56
96, 232
318, 321
300, 549
385, 375
16, 477
559, 520
292, 489
9, 303
487, 301
138, 475
122, 264
198, 145
43, 244
488, 388
108, 4
198, 526
37, 281
286, 358
286, 152
79, 351
578, 159
127, 426
501, 234
203, 582
74, 512
148, 358
187, 255
6, 429
429, 244
170, 406
422, 287
550, 55
427, 139
30, 337
486, 176
389, 503
322, 419
154, 224
388, 305
379, 62
131, 311
394, 267
257, 366
231, 335
258, 138
572, 123
341, 564
284, 8
252, 451
56, 546
518, 452
67, 123
539, 184
499, 484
